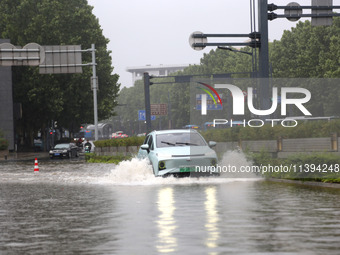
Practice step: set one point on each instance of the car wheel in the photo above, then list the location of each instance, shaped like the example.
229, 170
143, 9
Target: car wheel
70, 154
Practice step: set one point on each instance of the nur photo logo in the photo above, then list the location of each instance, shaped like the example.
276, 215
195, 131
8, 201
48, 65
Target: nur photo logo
283, 97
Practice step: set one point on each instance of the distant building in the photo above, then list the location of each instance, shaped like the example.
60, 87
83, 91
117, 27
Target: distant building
159, 70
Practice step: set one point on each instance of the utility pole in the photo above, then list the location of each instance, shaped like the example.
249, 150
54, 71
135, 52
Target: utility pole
264, 90
147, 102
263, 30
94, 88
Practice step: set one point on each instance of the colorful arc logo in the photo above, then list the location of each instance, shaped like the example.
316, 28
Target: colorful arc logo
209, 93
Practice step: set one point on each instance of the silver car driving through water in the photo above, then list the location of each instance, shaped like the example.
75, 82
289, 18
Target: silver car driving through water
177, 152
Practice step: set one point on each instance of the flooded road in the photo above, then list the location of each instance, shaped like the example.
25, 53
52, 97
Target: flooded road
70, 207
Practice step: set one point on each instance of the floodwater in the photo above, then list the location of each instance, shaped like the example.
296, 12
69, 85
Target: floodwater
71, 207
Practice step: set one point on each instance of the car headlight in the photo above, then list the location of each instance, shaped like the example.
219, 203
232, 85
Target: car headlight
51, 152
161, 165
64, 151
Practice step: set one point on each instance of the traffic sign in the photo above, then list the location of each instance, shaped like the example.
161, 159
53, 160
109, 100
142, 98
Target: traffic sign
62, 59
193, 40
322, 21
31, 54
210, 103
296, 11
141, 115
159, 109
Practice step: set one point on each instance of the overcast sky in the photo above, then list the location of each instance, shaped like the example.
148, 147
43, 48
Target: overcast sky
154, 32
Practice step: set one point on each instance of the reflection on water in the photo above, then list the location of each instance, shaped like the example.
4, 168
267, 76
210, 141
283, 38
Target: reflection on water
211, 217
74, 208
166, 221
55, 219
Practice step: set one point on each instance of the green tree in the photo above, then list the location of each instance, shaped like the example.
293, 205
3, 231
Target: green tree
65, 98
311, 52
307, 52
223, 61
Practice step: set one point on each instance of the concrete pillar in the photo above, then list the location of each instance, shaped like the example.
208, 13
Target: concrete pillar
6, 102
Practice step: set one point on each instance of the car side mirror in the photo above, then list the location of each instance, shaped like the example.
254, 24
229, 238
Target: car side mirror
212, 144
145, 147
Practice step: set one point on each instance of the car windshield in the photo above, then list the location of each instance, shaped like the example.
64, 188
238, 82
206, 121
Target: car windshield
179, 139
61, 146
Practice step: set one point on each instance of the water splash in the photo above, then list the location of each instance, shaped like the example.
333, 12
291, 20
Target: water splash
139, 172
131, 172
235, 164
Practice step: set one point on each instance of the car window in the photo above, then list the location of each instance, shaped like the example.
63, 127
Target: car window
146, 139
179, 139
61, 146
150, 143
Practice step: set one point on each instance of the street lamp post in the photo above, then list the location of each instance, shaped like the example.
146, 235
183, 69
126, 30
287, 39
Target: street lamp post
94, 88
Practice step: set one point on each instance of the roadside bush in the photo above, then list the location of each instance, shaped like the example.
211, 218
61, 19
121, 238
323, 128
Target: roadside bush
129, 141
93, 158
323, 167
3, 142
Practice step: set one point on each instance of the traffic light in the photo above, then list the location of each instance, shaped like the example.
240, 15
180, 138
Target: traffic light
147, 79
322, 21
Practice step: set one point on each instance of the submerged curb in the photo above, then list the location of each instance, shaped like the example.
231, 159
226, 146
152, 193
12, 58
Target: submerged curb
24, 156
306, 183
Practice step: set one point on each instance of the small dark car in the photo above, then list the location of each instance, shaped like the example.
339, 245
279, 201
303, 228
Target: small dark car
64, 150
